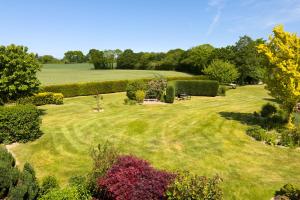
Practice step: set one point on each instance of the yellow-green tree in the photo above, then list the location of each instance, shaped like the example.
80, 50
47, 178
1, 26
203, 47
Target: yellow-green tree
283, 71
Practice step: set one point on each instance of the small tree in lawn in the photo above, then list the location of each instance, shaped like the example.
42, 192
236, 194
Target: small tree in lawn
18, 70
222, 71
98, 97
283, 72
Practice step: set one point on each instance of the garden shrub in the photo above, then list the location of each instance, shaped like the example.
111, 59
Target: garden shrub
129, 101
19, 123
8, 172
133, 87
290, 137
68, 193
257, 133
132, 178
104, 156
140, 96
48, 183
289, 192
27, 187
170, 94
156, 88
197, 88
104, 87
268, 110
194, 187
222, 90
43, 98
80, 182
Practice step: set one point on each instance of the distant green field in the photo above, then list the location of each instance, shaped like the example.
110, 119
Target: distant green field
52, 74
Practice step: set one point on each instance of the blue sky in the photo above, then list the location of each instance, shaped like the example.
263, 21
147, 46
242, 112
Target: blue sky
55, 26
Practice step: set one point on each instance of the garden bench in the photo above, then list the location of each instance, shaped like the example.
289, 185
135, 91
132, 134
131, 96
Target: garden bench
232, 85
184, 97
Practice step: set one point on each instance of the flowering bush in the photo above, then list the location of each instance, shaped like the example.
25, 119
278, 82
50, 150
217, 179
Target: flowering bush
131, 178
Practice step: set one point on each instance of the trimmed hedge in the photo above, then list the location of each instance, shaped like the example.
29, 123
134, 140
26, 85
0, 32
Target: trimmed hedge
105, 87
196, 87
19, 123
43, 98
170, 94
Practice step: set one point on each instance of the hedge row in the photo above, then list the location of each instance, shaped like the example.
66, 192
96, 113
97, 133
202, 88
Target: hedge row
19, 123
43, 98
91, 88
196, 87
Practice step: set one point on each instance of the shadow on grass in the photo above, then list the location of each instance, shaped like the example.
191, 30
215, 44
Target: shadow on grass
244, 118
272, 100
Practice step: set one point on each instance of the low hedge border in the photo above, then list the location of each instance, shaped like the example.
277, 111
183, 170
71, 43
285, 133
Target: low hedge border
196, 87
104, 87
43, 98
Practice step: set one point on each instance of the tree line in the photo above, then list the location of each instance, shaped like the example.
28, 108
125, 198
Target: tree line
243, 55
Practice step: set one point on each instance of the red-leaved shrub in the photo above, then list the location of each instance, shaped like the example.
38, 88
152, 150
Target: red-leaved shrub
131, 178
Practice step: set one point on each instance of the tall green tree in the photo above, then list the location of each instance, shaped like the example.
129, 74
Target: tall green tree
127, 60
196, 59
248, 61
18, 72
172, 59
48, 59
222, 71
97, 58
74, 57
283, 72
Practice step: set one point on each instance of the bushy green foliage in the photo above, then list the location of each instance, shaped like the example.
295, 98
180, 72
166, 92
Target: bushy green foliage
68, 193
18, 70
291, 137
156, 87
104, 156
8, 172
261, 134
74, 57
268, 110
43, 98
194, 187
222, 90
196, 88
170, 94
288, 192
48, 183
27, 187
140, 96
133, 87
20, 123
222, 71
80, 182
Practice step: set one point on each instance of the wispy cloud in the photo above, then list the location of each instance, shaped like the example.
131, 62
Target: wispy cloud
218, 5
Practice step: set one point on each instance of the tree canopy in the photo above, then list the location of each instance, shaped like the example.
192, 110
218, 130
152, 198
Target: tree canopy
74, 57
18, 72
283, 71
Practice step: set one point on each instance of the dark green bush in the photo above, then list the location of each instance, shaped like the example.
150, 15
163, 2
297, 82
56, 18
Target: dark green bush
197, 88
48, 183
133, 87
268, 110
257, 133
8, 172
19, 123
27, 187
222, 90
188, 186
80, 182
43, 98
289, 191
92, 88
170, 94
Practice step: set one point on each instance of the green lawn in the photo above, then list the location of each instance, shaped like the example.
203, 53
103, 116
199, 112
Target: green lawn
205, 135
52, 74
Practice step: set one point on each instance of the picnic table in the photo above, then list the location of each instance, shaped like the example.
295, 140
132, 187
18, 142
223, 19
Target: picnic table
184, 96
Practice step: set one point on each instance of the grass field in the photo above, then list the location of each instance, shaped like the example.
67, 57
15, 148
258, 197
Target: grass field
205, 135
52, 74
